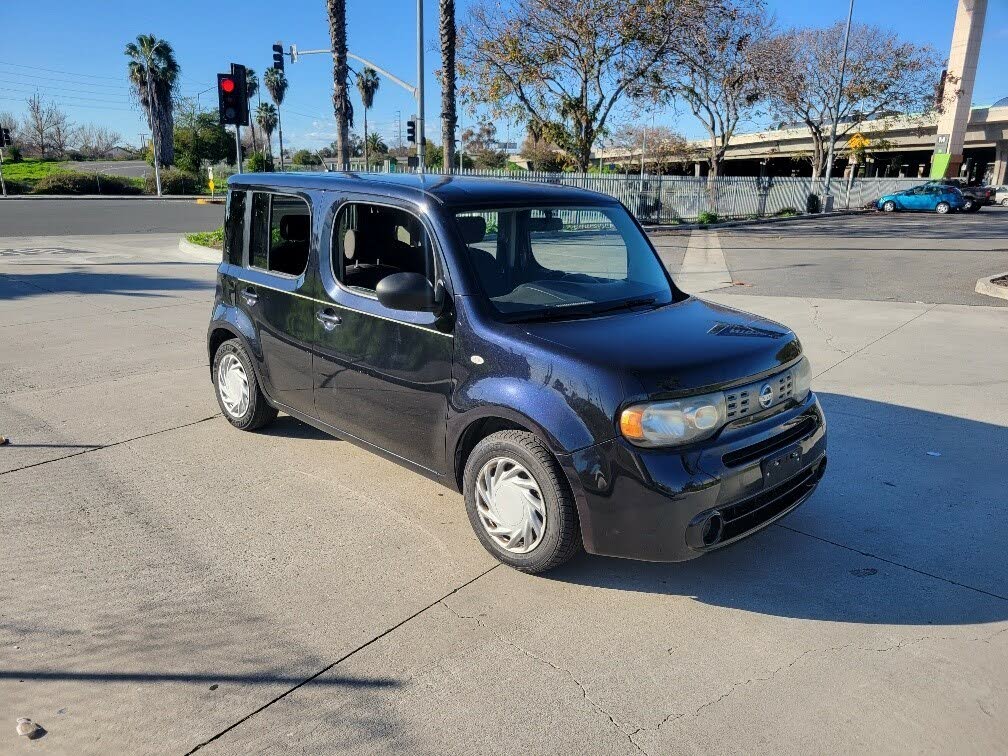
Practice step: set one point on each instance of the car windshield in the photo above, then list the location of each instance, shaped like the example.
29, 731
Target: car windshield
561, 262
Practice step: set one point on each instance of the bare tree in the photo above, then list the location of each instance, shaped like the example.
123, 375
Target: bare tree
64, 131
96, 141
481, 145
884, 76
724, 58
660, 146
38, 124
10, 122
565, 64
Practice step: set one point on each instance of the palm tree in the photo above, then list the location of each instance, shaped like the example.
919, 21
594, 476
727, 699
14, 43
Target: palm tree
342, 107
251, 88
449, 117
154, 74
267, 118
276, 85
375, 144
367, 85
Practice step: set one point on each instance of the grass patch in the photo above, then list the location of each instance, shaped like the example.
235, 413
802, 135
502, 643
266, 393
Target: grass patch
30, 170
213, 238
707, 218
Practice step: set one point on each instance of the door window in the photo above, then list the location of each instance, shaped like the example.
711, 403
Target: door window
280, 233
234, 228
373, 241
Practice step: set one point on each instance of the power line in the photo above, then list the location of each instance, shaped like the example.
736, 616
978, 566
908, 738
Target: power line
39, 78
49, 87
53, 70
66, 97
76, 105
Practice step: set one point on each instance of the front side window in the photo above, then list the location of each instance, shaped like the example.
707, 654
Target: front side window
546, 262
280, 233
373, 241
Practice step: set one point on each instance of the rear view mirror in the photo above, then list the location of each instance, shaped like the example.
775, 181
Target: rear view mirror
406, 291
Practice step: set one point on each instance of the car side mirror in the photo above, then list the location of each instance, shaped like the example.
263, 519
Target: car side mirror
406, 291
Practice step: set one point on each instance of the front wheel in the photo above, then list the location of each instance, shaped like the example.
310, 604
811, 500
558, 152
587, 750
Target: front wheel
1004, 202
968, 204
519, 503
942, 208
889, 206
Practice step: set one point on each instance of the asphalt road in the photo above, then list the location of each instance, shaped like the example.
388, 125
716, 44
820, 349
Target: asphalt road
134, 168
168, 582
905, 257
56, 217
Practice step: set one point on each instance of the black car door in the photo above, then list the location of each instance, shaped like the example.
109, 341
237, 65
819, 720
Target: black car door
273, 290
381, 375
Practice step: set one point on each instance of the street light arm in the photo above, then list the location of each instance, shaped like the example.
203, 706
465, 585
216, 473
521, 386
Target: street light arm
391, 77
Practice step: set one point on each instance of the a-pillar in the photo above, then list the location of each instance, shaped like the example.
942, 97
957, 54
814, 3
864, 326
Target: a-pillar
958, 88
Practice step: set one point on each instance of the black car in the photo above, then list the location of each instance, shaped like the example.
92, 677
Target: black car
521, 343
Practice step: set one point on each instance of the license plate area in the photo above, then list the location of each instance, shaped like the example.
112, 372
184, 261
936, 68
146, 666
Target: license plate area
781, 466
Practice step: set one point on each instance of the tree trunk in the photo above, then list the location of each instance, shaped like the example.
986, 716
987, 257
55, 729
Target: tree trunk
341, 100
448, 108
280, 137
365, 139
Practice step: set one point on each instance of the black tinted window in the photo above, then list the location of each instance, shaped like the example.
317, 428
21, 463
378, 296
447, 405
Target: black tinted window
374, 241
280, 233
234, 228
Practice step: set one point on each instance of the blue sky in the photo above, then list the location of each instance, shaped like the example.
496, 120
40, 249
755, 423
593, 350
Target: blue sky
81, 43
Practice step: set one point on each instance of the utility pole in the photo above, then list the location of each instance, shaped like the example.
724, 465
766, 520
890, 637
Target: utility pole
398, 121
421, 139
3, 185
828, 204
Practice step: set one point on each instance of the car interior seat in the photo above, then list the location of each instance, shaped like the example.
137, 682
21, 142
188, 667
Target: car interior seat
290, 256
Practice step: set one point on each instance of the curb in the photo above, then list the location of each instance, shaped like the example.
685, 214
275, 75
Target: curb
206, 254
991, 289
753, 221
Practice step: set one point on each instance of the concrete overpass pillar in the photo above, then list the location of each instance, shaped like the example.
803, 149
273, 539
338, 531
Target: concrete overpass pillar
1000, 163
958, 94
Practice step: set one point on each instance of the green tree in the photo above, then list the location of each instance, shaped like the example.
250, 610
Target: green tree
305, 157
154, 75
199, 136
367, 85
375, 145
449, 116
266, 117
342, 107
276, 84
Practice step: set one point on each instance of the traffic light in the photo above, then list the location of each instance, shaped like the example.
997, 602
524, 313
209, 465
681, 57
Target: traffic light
232, 97
410, 131
278, 53
5, 138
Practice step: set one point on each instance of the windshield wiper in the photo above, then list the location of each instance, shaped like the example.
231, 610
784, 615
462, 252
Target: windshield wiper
570, 313
626, 304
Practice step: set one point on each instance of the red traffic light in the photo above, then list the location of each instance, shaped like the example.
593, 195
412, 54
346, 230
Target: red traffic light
227, 85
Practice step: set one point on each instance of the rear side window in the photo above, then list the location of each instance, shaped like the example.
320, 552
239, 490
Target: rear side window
373, 241
234, 228
280, 233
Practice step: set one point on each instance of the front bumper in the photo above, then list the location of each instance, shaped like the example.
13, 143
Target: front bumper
654, 504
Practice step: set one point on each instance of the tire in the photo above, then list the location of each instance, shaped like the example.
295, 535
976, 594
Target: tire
500, 456
969, 204
942, 208
251, 413
974, 209
889, 206
1004, 202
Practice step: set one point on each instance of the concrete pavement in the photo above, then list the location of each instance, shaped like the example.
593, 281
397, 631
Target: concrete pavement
173, 584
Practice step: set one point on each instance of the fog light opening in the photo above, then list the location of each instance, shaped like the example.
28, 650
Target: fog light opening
712, 528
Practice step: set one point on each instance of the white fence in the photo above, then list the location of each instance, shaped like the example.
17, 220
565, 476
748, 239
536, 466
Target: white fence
675, 199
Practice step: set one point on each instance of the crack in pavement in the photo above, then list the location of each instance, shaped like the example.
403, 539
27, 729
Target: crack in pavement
342, 659
563, 670
817, 323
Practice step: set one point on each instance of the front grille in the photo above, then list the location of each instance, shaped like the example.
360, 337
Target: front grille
749, 514
744, 400
759, 450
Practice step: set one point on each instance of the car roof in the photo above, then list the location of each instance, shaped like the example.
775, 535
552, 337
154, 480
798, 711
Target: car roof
451, 191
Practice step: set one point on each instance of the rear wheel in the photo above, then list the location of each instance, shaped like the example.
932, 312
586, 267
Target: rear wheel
889, 206
1004, 202
941, 208
968, 204
238, 393
519, 503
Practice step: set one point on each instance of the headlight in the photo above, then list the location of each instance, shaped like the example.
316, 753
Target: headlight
673, 423
802, 379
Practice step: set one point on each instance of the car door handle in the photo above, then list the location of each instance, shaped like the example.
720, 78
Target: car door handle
328, 318
249, 295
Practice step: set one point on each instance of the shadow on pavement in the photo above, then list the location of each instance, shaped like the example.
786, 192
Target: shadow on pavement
87, 281
905, 529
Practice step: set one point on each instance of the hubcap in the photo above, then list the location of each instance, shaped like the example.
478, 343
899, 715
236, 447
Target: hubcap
510, 505
944, 208
233, 386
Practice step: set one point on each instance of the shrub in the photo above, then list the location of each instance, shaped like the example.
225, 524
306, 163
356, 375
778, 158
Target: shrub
304, 157
213, 238
173, 182
706, 218
13, 155
786, 212
71, 182
259, 163
813, 204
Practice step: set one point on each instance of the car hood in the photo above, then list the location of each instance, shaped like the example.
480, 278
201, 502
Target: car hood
684, 346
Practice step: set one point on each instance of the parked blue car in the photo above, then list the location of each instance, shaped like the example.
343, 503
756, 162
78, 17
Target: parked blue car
935, 198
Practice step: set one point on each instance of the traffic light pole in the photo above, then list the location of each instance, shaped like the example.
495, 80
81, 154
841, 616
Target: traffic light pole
2, 183
238, 154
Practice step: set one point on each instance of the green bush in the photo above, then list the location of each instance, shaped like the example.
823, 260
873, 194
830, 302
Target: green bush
706, 218
304, 157
213, 238
71, 182
813, 204
13, 154
257, 162
174, 181
787, 212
